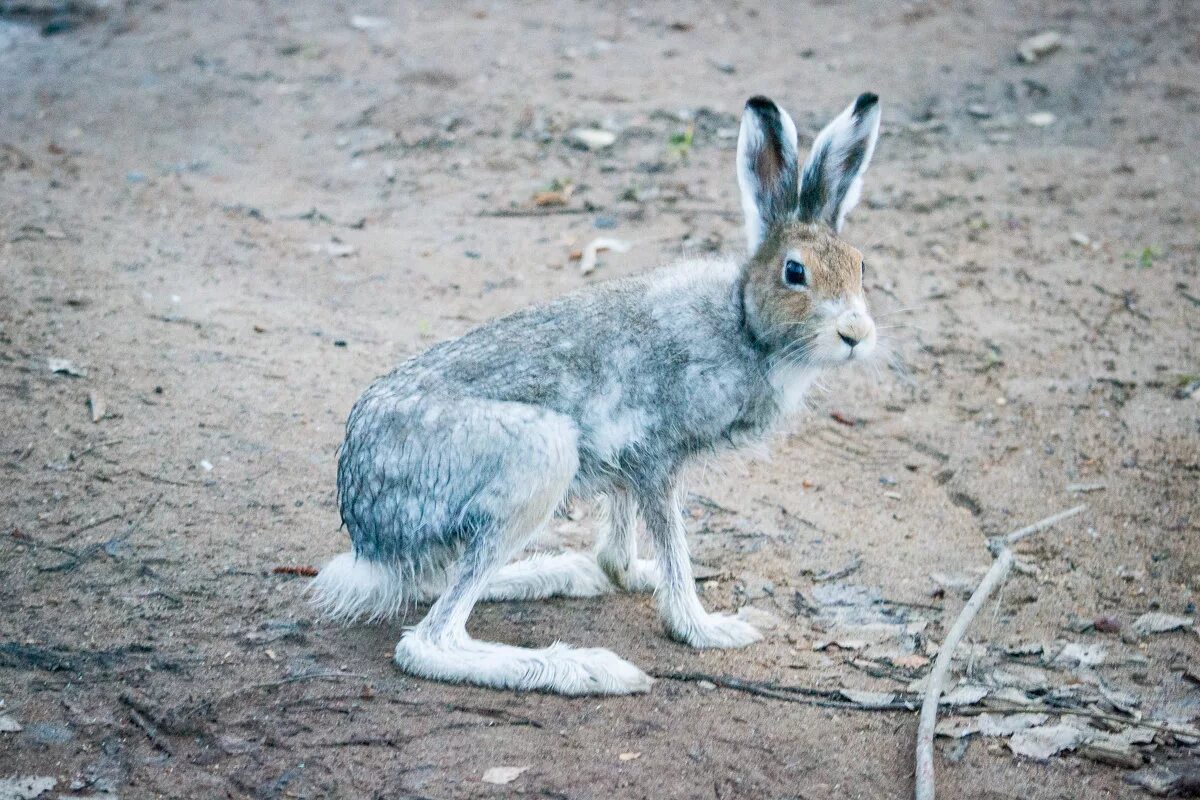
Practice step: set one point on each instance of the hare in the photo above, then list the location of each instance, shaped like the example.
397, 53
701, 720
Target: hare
455, 460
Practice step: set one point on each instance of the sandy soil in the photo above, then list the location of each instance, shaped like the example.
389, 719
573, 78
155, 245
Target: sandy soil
233, 215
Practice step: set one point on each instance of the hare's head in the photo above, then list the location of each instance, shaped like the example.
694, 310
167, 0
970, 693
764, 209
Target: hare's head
803, 291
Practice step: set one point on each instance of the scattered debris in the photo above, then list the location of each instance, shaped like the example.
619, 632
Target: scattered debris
9, 725
502, 775
361, 22
592, 138
1080, 655
965, 695
869, 699
587, 257
63, 366
1041, 119
989, 725
1189, 386
1045, 741
554, 197
842, 419
1035, 48
25, 788
1080, 238
335, 248
925, 787
303, 571
1085, 488
1155, 622
629, 756
1156, 780
96, 406
1111, 753
909, 661
838, 574
954, 585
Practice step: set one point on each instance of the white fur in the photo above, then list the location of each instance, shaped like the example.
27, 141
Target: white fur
841, 134
557, 668
750, 140
792, 383
544, 575
350, 588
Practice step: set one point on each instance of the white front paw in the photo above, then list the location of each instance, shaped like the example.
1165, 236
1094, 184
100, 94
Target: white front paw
719, 631
643, 576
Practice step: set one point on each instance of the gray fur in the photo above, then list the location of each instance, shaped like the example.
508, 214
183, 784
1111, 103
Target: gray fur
456, 458
432, 448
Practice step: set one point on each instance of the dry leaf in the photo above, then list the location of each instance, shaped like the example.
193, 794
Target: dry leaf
910, 661
1042, 743
629, 756
1155, 622
64, 366
304, 571
868, 699
502, 775
587, 258
554, 197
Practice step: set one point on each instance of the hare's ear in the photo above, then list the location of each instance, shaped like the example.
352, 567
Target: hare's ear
767, 169
832, 179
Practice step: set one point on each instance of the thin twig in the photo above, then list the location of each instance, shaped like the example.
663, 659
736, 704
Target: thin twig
179, 714
535, 212
826, 698
150, 730
925, 786
93, 524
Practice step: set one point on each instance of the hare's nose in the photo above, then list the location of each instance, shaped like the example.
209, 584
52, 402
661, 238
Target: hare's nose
853, 327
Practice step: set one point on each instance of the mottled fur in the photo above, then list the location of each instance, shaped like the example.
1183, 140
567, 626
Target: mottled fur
455, 459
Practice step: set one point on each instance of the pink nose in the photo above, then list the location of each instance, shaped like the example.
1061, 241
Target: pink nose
853, 327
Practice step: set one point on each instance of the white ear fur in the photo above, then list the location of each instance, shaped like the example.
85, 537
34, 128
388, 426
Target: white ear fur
831, 182
767, 170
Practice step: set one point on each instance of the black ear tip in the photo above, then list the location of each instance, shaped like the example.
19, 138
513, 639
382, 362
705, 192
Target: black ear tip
865, 102
761, 104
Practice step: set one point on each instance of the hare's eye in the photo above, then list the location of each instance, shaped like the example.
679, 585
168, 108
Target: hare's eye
862, 270
794, 273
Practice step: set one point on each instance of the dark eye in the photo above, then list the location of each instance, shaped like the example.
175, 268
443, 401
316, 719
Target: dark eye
794, 274
862, 270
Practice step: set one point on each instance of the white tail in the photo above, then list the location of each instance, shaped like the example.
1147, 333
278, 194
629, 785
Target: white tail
349, 588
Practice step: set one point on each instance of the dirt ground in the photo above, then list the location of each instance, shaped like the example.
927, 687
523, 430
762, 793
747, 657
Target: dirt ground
233, 215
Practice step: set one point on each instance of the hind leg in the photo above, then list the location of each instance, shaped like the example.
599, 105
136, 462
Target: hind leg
614, 566
616, 552
515, 505
547, 575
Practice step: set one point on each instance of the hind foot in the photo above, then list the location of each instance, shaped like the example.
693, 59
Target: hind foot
558, 668
543, 575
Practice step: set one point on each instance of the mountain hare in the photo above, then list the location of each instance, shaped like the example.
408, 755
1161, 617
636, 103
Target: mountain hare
457, 458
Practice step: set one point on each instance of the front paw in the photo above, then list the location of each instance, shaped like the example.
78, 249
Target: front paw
719, 631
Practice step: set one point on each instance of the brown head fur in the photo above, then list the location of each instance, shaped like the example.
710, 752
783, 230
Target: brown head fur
793, 215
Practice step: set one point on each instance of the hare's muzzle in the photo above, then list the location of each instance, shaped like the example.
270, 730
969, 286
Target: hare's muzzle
856, 330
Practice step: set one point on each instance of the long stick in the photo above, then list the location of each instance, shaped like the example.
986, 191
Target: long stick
937, 676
